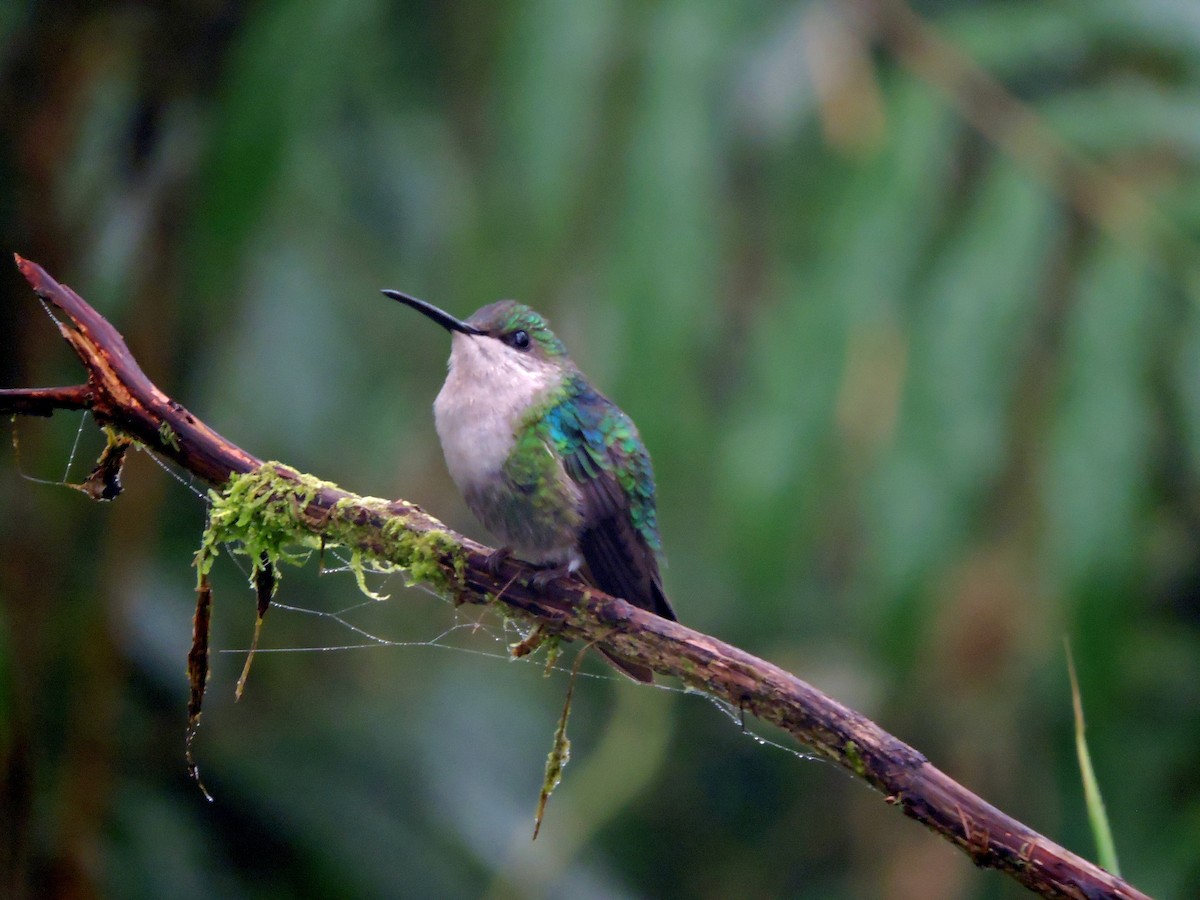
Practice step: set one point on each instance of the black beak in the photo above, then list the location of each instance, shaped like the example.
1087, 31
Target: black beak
442, 317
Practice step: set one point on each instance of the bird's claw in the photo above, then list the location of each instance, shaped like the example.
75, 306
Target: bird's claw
496, 559
540, 580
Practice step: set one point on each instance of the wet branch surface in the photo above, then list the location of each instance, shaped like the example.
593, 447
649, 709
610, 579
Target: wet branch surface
119, 395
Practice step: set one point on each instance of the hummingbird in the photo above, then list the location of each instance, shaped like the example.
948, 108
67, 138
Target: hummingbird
544, 460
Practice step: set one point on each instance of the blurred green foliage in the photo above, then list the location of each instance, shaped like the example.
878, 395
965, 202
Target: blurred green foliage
921, 379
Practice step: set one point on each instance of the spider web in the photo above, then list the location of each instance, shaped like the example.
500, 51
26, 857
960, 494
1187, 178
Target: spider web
461, 636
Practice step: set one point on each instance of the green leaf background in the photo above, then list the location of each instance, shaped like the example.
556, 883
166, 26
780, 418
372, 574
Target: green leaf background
921, 383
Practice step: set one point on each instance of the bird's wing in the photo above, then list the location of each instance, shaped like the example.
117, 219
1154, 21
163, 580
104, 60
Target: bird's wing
604, 456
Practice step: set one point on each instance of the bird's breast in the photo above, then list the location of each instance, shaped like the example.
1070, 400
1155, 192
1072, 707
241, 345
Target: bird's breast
476, 434
482, 404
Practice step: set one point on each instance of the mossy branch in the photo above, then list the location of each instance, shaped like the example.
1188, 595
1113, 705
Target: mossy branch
273, 512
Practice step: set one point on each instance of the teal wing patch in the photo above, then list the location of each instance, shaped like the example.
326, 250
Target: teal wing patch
603, 454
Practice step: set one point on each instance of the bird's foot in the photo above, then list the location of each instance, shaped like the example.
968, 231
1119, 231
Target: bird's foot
541, 579
496, 559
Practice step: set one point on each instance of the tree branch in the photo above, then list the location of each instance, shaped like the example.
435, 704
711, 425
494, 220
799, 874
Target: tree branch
119, 395
44, 401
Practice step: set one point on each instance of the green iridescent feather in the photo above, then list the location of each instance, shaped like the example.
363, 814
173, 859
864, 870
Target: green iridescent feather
507, 316
595, 438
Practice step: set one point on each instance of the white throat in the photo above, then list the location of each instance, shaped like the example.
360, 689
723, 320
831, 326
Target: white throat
489, 389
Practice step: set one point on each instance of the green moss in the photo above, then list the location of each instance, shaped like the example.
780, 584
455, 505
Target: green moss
854, 757
553, 645
360, 575
258, 514
168, 436
558, 757
423, 555
263, 515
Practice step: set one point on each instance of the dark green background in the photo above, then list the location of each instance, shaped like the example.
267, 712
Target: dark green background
920, 376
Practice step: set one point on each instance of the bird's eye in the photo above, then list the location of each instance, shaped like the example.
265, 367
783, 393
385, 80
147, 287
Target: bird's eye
520, 339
